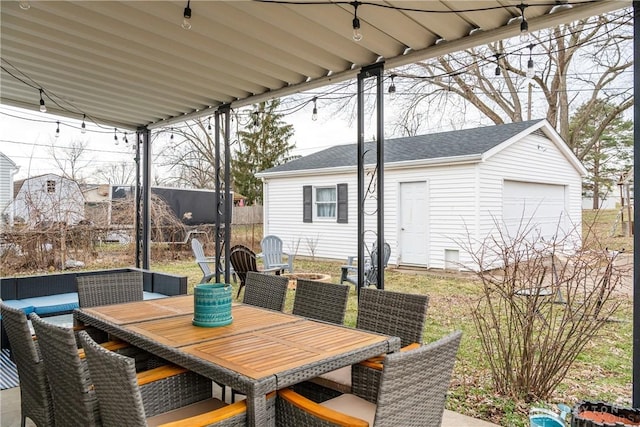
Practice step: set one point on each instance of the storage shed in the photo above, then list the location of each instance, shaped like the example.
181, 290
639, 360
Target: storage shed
8, 169
439, 189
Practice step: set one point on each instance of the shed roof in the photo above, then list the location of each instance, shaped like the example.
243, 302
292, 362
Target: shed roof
466, 144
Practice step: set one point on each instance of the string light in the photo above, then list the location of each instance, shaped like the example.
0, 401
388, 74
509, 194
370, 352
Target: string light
357, 36
57, 129
524, 25
126, 141
171, 137
314, 114
498, 71
83, 128
186, 22
43, 108
255, 118
115, 136
392, 86
209, 127
24, 4
531, 72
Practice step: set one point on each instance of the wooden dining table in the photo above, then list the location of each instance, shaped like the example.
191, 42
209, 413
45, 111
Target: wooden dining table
259, 352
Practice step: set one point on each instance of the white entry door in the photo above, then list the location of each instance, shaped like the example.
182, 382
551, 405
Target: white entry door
413, 214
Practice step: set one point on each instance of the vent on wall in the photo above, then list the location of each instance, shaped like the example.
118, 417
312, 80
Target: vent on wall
539, 132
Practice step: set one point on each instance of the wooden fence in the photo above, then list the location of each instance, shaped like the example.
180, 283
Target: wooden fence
247, 215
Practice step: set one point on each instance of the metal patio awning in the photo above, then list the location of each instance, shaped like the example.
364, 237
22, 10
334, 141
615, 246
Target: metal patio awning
130, 63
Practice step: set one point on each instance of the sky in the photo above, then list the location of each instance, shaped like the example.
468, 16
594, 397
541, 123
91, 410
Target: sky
28, 138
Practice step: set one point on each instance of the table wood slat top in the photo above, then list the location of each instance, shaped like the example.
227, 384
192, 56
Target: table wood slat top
138, 311
265, 352
179, 331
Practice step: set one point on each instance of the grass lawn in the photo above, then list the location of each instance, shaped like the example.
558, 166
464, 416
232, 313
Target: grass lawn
603, 371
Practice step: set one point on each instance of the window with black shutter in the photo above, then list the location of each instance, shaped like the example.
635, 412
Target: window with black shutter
307, 203
343, 204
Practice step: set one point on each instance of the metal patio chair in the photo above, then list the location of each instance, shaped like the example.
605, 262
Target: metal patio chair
349, 271
244, 260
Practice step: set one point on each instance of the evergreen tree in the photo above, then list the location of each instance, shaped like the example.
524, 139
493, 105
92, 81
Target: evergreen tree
263, 145
611, 152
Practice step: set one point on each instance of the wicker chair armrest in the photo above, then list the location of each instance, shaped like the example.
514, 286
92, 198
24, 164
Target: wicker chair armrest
379, 359
214, 417
318, 411
378, 366
160, 373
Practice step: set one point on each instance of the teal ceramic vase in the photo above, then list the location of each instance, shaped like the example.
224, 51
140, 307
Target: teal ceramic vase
212, 305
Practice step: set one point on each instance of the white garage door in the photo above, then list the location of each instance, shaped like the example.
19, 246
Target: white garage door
535, 208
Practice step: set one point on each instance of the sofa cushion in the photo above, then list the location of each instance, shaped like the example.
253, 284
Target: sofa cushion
52, 304
20, 304
153, 295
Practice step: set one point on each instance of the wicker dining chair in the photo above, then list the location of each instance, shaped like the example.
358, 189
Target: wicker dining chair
321, 301
112, 288
266, 290
385, 312
413, 390
72, 390
122, 401
35, 394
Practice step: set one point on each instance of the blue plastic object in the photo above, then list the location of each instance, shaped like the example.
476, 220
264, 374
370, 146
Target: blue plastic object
540, 417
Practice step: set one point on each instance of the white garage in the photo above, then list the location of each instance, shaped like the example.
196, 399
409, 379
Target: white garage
440, 190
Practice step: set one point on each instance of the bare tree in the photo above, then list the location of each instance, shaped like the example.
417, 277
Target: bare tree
71, 160
188, 155
118, 173
583, 63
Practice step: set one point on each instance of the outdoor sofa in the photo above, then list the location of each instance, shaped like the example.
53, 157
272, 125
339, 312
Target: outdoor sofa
56, 294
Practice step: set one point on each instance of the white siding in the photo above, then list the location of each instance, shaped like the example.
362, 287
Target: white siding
465, 202
34, 203
7, 170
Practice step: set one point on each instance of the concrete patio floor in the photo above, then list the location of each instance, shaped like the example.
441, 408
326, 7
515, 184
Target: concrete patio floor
10, 413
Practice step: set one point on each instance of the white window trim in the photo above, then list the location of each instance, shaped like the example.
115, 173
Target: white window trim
317, 218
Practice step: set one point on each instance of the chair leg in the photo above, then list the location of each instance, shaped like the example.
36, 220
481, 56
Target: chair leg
240, 289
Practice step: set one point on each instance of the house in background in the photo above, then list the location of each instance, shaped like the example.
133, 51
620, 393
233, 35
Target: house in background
439, 190
47, 198
7, 170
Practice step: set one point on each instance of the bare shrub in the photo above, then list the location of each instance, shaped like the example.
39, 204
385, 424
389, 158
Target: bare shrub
542, 302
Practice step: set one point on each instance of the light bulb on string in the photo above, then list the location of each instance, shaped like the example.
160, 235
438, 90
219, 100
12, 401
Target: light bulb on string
126, 141
357, 35
392, 86
209, 127
83, 127
57, 129
255, 118
186, 22
314, 114
171, 137
43, 108
524, 25
115, 136
498, 70
531, 72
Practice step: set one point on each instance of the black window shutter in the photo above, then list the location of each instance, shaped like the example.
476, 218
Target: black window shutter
307, 204
343, 204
